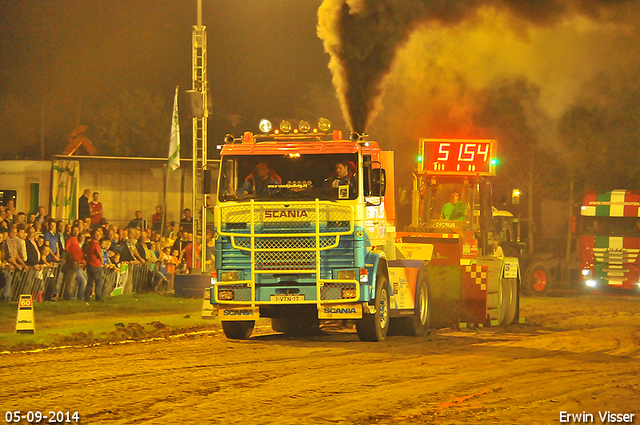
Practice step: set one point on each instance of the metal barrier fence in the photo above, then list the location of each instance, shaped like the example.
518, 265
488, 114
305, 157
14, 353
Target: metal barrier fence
48, 282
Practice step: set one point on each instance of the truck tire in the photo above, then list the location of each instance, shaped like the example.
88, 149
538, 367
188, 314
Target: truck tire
537, 280
418, 324
374, 327
238, 330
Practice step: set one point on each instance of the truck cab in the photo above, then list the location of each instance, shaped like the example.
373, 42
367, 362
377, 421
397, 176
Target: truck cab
302, 225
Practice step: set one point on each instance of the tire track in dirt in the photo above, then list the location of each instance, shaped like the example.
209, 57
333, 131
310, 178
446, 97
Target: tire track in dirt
521, 374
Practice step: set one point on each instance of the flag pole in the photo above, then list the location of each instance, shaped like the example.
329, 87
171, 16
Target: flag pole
173, 161
164, 202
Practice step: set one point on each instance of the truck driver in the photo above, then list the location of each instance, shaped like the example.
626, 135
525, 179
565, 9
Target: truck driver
454, 209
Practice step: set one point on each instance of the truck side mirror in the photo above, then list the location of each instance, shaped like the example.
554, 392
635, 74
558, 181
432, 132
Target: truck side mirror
378, 182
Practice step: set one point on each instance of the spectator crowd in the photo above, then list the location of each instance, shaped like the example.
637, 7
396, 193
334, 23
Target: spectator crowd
85, 248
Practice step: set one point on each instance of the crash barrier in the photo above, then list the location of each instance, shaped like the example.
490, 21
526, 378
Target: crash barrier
40, 284
48, 282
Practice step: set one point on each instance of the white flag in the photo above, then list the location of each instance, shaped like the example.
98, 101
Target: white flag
174, 145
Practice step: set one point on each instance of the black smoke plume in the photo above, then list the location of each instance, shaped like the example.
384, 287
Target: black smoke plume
362, 38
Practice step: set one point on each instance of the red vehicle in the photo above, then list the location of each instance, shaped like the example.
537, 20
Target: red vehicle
610, 239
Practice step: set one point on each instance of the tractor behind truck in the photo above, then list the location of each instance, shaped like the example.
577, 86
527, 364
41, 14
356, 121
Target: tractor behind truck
305, 231
466, 271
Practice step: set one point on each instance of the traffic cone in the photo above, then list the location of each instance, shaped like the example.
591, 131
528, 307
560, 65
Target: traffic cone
207, 308
26, 322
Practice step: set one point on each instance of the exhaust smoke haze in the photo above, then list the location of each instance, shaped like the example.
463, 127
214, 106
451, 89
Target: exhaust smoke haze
438, 56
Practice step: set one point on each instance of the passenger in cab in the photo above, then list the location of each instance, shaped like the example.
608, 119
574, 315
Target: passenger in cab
344, 174
258, 182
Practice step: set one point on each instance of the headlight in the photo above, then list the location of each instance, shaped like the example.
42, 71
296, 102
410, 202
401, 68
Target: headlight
591, 283
229, 276
226, 295
304, 126
348, 293
324, 125
586, 272
285, 126
265, 125
346, 275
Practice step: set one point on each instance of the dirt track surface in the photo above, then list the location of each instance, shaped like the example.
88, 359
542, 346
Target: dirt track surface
574, 354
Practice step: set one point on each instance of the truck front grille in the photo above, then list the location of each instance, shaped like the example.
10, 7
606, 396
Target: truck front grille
285, 260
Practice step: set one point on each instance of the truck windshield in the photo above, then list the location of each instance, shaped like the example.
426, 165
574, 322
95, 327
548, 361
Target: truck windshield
611, 226
450, 203
289, 177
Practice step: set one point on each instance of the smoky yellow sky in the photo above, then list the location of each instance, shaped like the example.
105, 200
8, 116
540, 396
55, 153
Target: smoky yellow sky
440, 72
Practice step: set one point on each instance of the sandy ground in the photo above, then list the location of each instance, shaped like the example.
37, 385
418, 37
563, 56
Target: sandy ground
574, 354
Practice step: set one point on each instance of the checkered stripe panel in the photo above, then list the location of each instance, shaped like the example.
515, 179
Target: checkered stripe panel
478, 275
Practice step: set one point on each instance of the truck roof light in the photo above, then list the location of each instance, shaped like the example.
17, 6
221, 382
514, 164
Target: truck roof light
265, 125
248, 137
324, 125
304, 126
285, 126
337, 134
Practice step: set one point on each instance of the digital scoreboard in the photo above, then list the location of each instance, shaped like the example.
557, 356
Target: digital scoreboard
473, 157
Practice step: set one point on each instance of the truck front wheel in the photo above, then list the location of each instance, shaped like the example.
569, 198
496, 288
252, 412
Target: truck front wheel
238, 330
374, 327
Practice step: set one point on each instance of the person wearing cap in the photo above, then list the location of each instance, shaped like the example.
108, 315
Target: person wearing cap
454, 209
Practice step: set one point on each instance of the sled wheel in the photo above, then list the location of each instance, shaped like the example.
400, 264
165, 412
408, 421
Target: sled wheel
418, 324
509, 301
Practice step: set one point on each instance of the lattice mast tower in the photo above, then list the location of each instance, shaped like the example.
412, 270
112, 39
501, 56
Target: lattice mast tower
200, 84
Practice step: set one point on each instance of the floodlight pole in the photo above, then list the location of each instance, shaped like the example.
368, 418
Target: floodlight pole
200, 84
